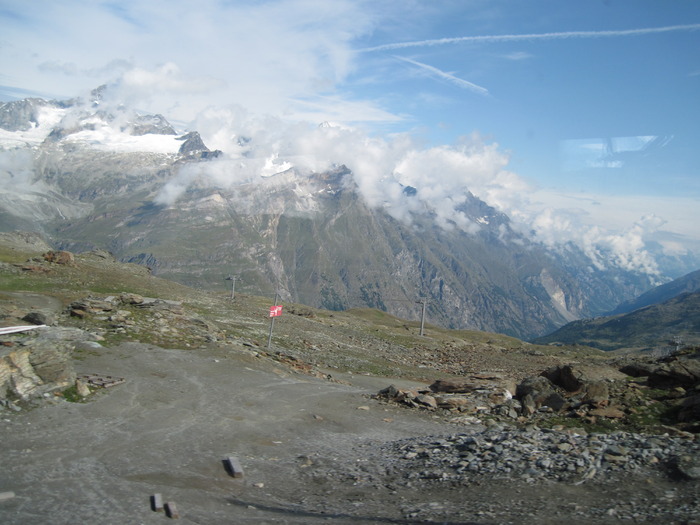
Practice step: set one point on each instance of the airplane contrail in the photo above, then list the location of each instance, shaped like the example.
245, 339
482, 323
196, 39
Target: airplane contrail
534, 36
450, 78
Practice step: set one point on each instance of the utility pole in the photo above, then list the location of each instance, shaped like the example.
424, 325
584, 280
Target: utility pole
232, 278
423, 301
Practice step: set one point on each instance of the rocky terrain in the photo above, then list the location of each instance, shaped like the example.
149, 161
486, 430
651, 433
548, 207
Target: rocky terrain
351, 417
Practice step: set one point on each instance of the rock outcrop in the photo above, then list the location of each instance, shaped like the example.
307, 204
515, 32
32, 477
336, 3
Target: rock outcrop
36, 363
657, 395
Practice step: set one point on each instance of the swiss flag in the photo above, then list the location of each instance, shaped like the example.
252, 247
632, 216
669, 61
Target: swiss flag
275, 311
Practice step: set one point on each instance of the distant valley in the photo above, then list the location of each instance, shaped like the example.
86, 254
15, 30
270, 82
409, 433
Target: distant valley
669, 324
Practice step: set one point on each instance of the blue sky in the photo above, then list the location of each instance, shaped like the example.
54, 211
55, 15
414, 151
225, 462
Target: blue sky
548, 97
595, 106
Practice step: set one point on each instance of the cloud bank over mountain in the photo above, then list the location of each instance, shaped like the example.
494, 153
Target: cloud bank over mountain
442, 176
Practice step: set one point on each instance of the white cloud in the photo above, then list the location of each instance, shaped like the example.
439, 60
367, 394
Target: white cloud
272, 57
518, 55
614, 228
16, 171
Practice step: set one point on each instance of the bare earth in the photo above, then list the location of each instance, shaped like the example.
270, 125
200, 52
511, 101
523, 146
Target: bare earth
303, 444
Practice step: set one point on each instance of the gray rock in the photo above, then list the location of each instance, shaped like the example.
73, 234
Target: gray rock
683, 372
21, 115
38, 318
150, 124
638, 369
533, 392
566, 377
554, 401
427, 400
596, 392
82, 388
689, 466
690, 409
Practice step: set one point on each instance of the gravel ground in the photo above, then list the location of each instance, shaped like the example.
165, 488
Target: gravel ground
312, 451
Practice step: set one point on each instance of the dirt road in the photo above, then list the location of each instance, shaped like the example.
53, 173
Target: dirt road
167, 429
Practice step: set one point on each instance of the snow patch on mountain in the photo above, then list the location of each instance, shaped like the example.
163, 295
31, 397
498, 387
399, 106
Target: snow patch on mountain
48, 117
105, 138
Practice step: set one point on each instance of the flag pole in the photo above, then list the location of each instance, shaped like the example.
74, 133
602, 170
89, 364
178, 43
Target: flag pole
272, 323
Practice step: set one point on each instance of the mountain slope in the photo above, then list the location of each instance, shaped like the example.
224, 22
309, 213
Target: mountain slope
672, 322
687, 283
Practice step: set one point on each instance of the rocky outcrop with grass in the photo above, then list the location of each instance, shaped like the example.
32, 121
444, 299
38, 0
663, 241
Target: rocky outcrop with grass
38, 364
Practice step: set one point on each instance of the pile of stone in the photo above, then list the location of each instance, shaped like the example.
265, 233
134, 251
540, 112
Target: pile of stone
59, 257
534, 454
36, 264
476, 394
500, 462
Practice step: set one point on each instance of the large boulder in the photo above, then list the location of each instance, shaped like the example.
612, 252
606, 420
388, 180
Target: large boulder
536, 392
38, 318
596, 393
690, 409
591, 383
683, 372
60, 257
453, 386
474, 382
538, 387
566, 377
638, 369
17, 377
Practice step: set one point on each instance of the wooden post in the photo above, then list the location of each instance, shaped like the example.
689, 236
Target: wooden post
232, 278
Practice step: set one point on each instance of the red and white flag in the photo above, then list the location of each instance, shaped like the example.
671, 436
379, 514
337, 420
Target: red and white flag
275, 311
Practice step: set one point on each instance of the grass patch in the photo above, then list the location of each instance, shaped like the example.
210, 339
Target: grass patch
655, 414
601, 425
70, 394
